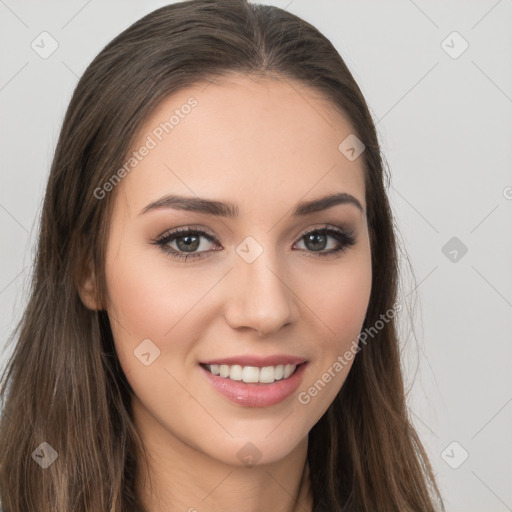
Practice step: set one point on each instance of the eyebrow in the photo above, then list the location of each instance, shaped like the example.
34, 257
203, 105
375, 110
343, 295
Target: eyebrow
230, 210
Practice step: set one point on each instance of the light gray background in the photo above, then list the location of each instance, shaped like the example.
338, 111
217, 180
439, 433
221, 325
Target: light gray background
445, 127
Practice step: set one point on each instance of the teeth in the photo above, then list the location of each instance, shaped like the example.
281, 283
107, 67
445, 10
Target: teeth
288, 370
249, 374
252, 374
268, 374
235, 372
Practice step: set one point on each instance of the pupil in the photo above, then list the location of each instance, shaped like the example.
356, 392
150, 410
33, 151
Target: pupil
316, 245
189, 246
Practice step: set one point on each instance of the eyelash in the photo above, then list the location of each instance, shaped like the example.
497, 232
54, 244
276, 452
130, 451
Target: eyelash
344, 238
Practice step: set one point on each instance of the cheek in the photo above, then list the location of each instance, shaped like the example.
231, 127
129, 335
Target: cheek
345, 306
339, 303
149, 299
141, 306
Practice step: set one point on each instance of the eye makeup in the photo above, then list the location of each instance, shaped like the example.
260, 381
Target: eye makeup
190, 238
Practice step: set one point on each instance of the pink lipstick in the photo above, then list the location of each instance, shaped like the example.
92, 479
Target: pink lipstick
253, 381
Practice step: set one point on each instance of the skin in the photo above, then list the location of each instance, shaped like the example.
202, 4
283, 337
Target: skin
264, 144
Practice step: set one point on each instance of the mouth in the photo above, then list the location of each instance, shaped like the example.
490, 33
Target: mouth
252, 374
254, 386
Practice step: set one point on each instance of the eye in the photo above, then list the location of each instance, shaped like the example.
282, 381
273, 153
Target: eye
186, 241
317, 241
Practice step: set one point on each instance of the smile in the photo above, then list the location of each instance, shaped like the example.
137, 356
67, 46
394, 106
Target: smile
254, 386
252, 374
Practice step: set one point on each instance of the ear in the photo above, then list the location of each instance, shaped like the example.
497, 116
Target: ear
87, 289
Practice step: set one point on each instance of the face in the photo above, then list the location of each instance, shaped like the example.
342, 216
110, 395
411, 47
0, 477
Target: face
201, 302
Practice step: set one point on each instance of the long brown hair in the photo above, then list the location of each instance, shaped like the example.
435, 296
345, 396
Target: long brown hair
63, 384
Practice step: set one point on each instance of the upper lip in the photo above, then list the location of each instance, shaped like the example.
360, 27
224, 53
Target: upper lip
257, 360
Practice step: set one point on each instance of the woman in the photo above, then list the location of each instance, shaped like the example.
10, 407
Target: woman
211, 321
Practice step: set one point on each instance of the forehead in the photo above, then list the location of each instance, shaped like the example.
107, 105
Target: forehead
243, 137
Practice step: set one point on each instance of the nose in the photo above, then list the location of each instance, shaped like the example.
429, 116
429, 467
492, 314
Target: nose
261, 297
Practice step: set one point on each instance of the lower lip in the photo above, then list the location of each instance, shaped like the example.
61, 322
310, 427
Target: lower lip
256, 394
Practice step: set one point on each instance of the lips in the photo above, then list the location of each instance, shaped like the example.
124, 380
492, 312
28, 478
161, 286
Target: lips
255, 381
